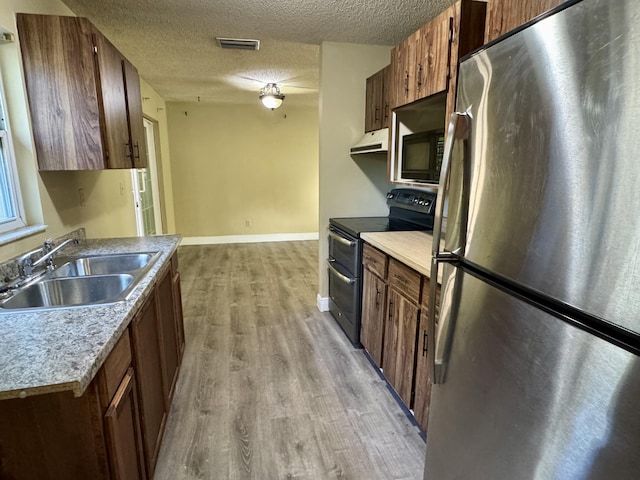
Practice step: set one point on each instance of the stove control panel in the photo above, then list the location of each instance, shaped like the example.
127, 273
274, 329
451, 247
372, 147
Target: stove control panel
412, 199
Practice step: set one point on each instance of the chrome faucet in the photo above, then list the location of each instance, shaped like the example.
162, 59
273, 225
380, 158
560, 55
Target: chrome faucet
26, 264
49, 251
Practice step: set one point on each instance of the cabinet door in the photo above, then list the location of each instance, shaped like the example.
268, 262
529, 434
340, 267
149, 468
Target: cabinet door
400, 76
423, 371
124, 438
148, 361
435, 56
114, 103
166, 314
177, 302
387, 88
134, 114
370, 105
423, 379
398, 357
374, 301
505, 15
62, 86
374, 109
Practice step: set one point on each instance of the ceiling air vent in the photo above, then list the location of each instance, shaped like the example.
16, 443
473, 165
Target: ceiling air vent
238, 43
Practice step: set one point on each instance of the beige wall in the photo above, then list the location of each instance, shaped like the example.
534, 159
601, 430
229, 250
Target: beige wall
348, 186
233, 163
155, 109
53, 198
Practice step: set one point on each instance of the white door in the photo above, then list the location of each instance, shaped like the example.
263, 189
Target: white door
145, 189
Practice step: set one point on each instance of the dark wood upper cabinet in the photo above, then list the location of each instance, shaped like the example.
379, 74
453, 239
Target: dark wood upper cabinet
83, 105
505, 15
424, 64
60, 76
134, 114
114, 102
377, 103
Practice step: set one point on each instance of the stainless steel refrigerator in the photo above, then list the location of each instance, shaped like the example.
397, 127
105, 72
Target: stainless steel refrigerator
535, 353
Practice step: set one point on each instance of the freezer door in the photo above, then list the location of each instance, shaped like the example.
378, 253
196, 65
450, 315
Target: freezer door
529, 397
554, 197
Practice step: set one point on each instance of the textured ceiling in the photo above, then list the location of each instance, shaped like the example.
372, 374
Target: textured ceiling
172, 42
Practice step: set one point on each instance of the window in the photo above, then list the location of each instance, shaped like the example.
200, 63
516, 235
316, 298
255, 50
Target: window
11, 209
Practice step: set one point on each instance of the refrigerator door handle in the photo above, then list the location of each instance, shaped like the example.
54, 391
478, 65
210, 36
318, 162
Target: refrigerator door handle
440, 340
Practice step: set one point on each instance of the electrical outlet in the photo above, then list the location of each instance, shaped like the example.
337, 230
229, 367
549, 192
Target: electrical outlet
247, 223
81, 196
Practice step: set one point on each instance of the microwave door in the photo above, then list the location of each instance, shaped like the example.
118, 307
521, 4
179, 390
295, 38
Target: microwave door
421, 156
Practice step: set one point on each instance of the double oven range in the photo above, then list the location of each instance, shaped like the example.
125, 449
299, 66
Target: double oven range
409, 209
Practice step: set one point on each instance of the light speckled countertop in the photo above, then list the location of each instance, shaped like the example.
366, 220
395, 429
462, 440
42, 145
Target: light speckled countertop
411, 248
63, 349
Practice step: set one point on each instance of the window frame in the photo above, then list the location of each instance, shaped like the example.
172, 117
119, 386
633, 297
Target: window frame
8, 153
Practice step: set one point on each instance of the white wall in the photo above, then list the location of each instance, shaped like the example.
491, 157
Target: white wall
348, 187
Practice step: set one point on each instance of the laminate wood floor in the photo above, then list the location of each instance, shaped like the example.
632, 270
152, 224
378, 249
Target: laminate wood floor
270, 388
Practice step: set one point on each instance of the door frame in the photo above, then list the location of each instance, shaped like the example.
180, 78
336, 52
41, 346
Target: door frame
152, 169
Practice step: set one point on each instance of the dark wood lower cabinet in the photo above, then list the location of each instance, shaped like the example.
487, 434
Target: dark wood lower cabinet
114, 430
423, 377
177, 304
124, 438
53, 436
396, 333
400, 344
147, 357
169, 333
374, 303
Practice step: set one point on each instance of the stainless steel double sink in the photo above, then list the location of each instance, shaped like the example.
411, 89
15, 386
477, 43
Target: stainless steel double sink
83, 280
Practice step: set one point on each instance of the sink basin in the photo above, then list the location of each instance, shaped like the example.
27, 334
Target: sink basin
102, 264
73, 291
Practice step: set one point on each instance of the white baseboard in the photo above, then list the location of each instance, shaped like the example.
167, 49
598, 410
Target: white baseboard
323, 303
274, 237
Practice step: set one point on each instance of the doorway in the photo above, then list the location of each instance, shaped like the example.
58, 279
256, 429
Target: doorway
146, 196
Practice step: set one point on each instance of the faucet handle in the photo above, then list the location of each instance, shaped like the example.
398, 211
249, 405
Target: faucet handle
26, 267
48, 245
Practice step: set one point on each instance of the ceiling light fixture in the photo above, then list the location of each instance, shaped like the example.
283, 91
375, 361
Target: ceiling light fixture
270, 96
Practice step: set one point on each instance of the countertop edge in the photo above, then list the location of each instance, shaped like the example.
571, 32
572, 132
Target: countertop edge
405, 247
78, 383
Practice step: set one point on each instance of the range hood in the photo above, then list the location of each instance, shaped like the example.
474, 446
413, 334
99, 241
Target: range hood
372, 142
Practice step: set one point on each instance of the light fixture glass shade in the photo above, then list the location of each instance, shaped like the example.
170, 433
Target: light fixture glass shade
270, 96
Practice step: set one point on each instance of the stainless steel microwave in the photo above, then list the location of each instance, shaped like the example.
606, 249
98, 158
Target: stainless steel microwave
421, 156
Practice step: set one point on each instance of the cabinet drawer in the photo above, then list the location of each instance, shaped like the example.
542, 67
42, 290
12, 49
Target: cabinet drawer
375, 261
115, 367
405, 280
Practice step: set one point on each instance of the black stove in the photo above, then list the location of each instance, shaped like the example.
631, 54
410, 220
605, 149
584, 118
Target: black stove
409, 209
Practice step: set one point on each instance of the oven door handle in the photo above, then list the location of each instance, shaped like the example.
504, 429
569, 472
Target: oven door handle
341, 239
340, 276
